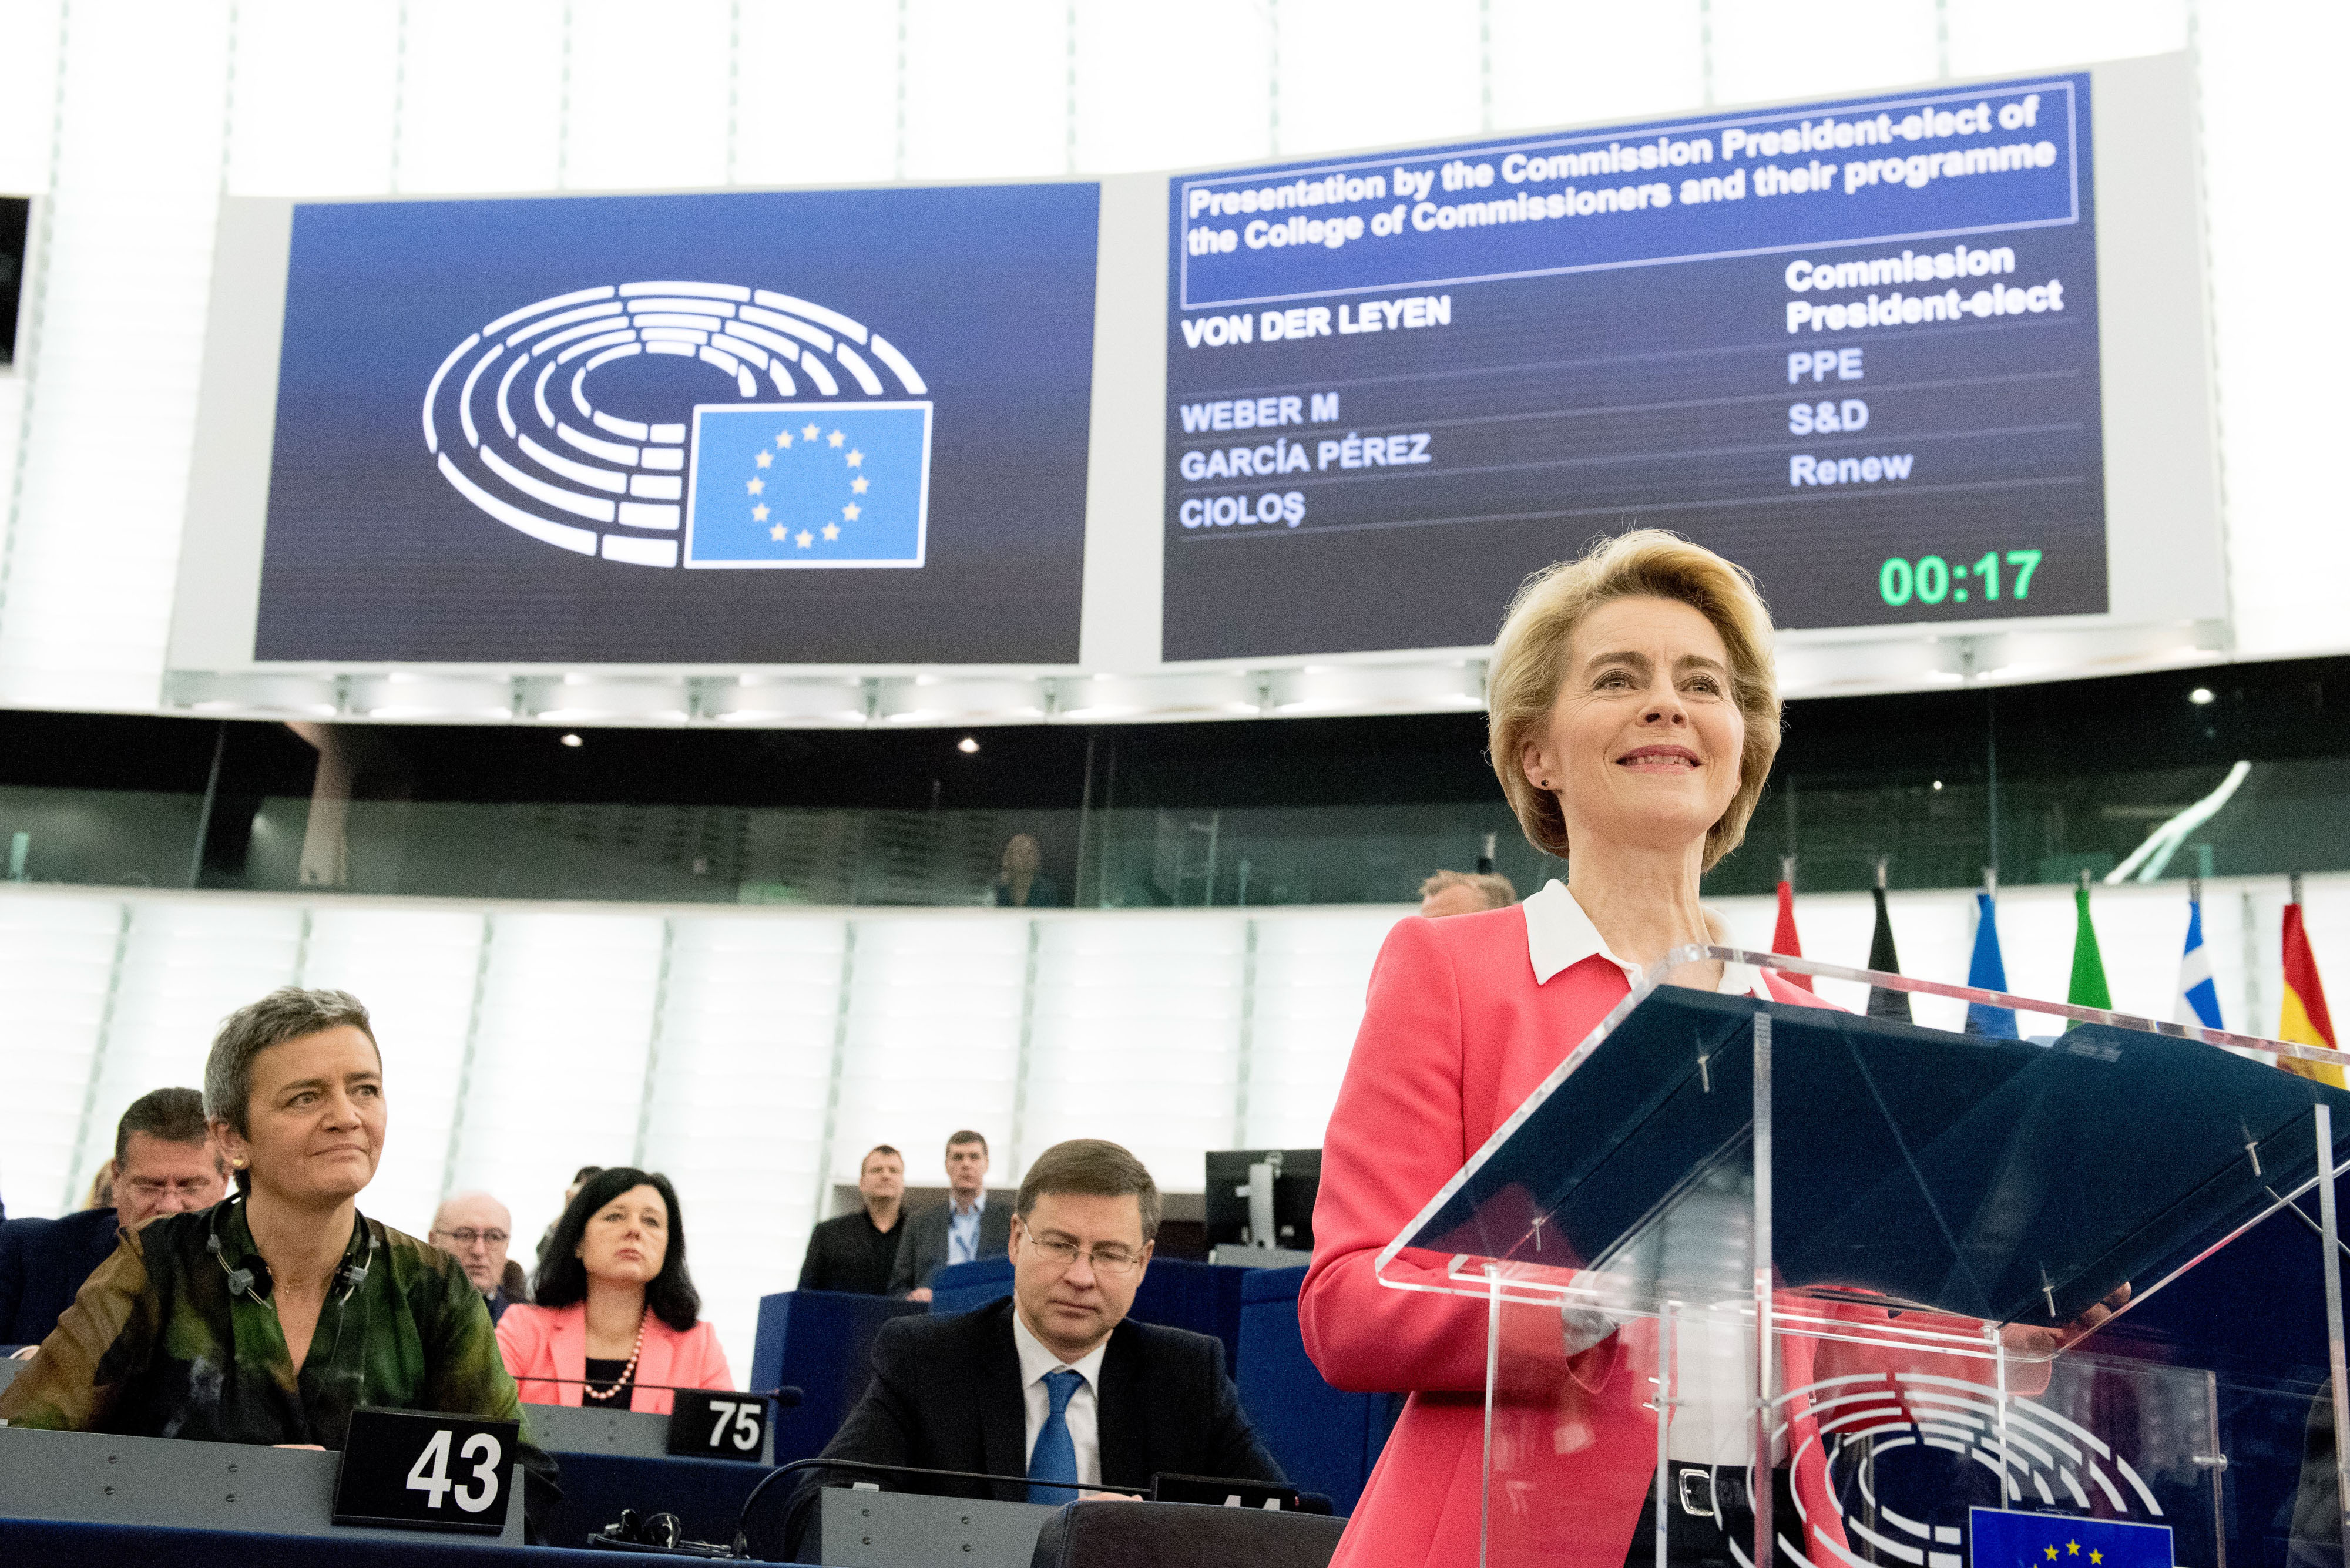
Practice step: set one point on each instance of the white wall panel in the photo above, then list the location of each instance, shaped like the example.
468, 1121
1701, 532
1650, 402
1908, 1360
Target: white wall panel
1358, 73
817, 98
30, 35
557, 1063
187, 964
312, 99
1768, 48
57, 969
933, 1040
1311, 971
1137, 1038
415, 970
93, 551
1992, 36
2270, 74
1562, 61
986, 89
1171, 87
651, 93
735, 1118
481, 98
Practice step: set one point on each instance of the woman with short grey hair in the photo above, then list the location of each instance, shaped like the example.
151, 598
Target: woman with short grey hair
272, 1316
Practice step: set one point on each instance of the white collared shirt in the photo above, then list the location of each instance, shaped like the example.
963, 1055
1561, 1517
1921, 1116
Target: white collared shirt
1559, 936
1083, 1412
963, 1226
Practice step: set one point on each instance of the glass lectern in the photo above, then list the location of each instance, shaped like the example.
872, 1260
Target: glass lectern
1838, 1290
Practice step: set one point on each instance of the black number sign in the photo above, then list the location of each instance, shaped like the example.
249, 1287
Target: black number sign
712, 1424
409, 1469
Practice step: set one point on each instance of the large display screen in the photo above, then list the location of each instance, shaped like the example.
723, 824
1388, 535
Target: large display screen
824, 427
1853, 346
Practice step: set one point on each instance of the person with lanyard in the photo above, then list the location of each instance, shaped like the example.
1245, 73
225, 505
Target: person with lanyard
614, 1320
271, 1316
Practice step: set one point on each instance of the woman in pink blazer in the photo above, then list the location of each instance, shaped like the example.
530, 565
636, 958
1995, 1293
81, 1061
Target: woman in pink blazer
616, 1323
1633, 719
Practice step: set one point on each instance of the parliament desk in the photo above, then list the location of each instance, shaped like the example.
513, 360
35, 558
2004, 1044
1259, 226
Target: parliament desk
50, 1544
612, 1460
96, 1479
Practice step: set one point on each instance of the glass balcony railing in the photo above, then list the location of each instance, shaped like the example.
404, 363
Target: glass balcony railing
2281, 816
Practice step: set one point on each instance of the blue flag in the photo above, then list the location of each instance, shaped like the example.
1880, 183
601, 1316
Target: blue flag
2198, 997
2002, 1539
809, 484
1987, 973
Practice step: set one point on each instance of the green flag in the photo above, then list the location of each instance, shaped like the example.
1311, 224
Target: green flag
2088, 969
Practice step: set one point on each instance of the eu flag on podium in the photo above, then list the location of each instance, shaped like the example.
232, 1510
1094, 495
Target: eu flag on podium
809, 484
2005, 1539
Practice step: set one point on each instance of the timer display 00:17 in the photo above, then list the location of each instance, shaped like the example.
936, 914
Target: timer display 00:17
1930, 580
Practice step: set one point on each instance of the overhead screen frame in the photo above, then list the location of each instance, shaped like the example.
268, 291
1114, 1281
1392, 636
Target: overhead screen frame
2167, 565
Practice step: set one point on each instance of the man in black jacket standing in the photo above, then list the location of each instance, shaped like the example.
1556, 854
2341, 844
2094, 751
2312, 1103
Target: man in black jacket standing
857, 1252
1054, 1383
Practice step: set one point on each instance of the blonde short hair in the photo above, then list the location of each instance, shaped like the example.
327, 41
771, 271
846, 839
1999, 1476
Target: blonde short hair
1529, 664
1491, 887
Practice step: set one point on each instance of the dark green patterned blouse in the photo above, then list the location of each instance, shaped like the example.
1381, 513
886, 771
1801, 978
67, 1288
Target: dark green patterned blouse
157, 1346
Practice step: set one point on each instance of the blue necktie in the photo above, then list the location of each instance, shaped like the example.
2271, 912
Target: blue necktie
1055, 1457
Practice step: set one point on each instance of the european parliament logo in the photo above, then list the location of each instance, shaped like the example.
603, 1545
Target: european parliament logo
809, 458
2000, 1538
805, 485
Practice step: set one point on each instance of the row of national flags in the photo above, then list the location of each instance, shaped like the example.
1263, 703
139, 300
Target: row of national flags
2302, 1018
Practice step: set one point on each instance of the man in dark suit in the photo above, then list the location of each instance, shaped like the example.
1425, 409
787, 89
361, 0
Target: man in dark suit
857, 1253
966, 1228
1054, 1384
164, 1162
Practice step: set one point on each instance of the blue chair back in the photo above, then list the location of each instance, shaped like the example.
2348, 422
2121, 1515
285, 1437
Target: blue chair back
820, 1342
1324, 1440
1179, 1292
965, 1287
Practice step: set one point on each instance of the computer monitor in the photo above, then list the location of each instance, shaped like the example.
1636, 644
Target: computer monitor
1251, 1190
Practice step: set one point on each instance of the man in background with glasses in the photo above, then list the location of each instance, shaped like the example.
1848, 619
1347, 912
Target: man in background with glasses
476, 1228
1054, 1384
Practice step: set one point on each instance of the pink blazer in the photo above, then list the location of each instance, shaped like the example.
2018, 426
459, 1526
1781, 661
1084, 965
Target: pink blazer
1455, 1035
541, 1345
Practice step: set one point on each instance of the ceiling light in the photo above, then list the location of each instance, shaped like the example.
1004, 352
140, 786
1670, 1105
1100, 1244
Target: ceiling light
2199, 696
967, 745
572, 741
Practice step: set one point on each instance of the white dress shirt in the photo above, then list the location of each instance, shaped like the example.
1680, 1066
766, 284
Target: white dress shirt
962, 1228
1083, 1412
1559, 936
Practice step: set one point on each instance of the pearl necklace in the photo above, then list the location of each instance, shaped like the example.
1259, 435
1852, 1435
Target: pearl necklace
587, 1390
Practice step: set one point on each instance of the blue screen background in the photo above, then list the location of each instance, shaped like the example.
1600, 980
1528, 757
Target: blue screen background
988, 290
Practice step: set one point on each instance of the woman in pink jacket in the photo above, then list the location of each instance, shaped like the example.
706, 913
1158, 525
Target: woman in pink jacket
1633, 719
616, 1321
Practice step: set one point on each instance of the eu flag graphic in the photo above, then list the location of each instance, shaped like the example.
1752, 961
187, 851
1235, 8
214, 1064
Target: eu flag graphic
808, 484
2002, 1539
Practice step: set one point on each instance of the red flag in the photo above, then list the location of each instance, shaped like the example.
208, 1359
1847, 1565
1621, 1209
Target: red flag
2305, 1020
1783, 940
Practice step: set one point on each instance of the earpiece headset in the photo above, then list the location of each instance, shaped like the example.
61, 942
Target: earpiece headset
253, 1271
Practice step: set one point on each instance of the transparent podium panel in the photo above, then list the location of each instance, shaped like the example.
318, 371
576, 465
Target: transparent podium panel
1769, 1282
